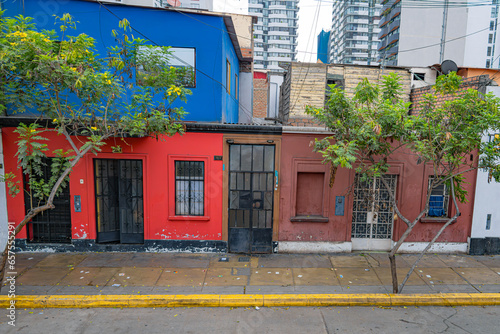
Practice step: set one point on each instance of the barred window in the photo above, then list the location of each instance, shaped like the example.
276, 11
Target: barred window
439, 199
189, 188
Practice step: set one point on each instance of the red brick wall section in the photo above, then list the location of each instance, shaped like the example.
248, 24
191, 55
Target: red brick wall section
260, 91
417, 94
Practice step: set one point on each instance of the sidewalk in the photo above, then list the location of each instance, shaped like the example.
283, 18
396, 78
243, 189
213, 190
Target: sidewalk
138, 274
222, 280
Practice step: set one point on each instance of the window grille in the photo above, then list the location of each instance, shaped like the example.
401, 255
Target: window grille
439, 199
189, 188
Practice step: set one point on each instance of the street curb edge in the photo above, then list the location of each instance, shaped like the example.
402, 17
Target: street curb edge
240, 300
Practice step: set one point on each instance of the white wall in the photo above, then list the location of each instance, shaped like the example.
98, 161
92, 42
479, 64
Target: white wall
477, 43
246, 98
3, 201
273, 102
422, 27
487, 199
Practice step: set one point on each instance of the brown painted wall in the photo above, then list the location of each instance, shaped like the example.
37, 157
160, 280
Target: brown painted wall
297, 156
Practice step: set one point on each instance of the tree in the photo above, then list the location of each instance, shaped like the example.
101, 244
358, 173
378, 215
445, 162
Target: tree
375, 124
85, 97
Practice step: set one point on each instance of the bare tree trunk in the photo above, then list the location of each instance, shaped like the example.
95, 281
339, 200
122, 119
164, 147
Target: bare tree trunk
33, 212
392, 259
410, 226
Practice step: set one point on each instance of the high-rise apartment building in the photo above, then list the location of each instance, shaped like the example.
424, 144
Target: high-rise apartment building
354, 34
275, 33
423, 35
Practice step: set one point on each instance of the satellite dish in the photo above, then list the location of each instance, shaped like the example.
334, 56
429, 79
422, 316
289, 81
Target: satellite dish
448, 66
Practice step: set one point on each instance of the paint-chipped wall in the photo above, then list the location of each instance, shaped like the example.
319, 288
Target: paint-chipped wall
157, 156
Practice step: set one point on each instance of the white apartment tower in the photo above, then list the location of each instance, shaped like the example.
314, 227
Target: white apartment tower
354, 34
423, 35
275, 34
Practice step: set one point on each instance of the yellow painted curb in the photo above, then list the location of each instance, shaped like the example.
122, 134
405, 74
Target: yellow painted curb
80, 301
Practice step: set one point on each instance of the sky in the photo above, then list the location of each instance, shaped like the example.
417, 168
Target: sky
307, 41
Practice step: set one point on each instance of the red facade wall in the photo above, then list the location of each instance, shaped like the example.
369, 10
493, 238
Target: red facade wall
158, 180
411, 192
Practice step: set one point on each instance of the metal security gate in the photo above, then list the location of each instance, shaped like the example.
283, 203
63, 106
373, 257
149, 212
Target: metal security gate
251, 198
50, 226
372, 214
119, 200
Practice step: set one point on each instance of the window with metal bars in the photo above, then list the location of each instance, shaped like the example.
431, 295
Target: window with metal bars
439, 199
189, 188
50, 226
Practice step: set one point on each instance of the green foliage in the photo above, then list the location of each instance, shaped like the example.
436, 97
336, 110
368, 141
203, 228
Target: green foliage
88, 97
375, 123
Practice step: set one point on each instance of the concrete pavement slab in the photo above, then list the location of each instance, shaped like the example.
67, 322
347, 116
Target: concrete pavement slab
43, 276
382, 260
455, 288
225, 261
385, 275
479, 275
318, 289
314, 276
125, 290
271, 276
413, 289
29, 260
261, 289
151, 260
89, 276
489, 260
460, 261
357, 276
224, 277
310, 261
273, 261
173, 290
18, 271
440, 276
29, 290
106, 259
130, 276
488, 288
75, 290
182, 277
179, 260
61, 260
223, 290
349, 261
364, 289
427, 261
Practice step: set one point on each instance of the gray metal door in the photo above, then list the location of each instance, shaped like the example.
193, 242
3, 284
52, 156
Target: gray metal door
251, 198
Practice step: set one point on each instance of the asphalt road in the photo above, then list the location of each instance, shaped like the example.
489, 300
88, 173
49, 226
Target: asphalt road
263, 320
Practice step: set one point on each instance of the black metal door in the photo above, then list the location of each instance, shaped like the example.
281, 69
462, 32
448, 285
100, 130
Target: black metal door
50, 226
251, 198
119, 200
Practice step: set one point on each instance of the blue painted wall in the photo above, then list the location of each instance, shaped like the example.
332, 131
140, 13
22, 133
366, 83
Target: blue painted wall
210, 101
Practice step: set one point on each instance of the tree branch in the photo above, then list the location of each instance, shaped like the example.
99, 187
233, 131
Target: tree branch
451, 220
